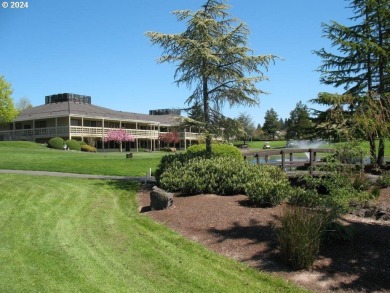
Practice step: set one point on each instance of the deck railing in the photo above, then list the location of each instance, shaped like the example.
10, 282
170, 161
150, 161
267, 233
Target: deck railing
79, 131
286, 159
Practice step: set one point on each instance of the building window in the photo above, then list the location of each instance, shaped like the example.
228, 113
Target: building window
40, 124
75, 122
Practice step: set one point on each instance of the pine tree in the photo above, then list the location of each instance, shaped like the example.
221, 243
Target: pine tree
362, 65
271, 123
299, 122
211, 55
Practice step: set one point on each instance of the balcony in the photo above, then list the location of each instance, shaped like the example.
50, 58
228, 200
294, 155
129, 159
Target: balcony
83, 132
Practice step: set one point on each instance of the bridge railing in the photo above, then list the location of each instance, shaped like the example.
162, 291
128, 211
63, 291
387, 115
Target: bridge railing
286, 160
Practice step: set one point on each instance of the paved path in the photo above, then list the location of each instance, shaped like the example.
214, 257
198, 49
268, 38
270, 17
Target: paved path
73, 175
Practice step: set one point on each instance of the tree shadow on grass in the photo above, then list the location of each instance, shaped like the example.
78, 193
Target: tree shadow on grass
120, 184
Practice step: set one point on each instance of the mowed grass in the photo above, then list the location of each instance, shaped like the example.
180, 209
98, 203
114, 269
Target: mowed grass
33, 156
78, 235
278, 144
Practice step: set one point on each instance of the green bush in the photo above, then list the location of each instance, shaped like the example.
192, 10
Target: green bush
269, 186
88, 148
384, 179
360, 182
217, 150
300, 234
195, 151
224, 176
174, 159
73, 144
81, 142
199, 175
56, 143
335, 191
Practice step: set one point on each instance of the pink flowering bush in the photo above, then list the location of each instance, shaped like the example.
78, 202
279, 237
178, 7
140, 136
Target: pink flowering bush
119, 136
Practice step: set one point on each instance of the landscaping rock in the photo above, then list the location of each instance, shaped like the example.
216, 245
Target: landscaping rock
375, 211
160, 199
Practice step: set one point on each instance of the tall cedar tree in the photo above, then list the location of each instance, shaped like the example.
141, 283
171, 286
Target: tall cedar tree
211, 55
247, 124
299, 123
271, 123
362, 65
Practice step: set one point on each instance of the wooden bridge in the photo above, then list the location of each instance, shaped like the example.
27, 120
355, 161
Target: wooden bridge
286, 161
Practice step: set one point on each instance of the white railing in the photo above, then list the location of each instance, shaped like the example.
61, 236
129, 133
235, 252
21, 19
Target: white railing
191, 135
37, 132
100, 132
78, 131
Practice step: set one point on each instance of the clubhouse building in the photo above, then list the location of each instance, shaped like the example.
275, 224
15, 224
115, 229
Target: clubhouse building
73, 116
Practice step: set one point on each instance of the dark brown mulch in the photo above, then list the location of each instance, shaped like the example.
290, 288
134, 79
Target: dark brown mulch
229, 226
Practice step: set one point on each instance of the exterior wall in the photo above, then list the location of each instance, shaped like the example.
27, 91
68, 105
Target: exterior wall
89, 129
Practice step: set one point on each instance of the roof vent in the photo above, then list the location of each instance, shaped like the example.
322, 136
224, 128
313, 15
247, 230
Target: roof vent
58, 98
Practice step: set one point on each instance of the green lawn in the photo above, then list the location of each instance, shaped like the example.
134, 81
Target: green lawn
33, 156
79, 235
282, 144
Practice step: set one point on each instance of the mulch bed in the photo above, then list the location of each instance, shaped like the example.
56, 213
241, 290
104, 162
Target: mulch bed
230, 226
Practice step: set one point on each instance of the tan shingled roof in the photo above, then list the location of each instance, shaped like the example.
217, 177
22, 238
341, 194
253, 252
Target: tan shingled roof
63, 109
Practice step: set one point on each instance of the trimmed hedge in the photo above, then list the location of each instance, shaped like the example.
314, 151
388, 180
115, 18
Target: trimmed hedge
56, 143
265, 185
73, 144
88, 148
217, 150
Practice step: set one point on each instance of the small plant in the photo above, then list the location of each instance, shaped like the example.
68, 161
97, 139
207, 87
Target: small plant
384, 179
88, 148
56, 143
360, 182
300, 235
73, 145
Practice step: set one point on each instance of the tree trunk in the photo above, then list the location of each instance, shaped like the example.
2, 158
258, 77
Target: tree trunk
371, 139
381, 152
206, 110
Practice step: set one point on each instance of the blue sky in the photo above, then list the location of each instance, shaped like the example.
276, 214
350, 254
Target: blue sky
99, 48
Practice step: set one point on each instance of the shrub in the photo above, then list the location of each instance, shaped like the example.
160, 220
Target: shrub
173, 159
198, 175
334, 191
81, 142
361, 182
224, 176
384, 179
300, 235
269, 186
88, 148
73, 144
56, 143
217, 150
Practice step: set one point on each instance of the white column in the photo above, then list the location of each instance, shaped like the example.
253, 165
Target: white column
103, 134
82, 128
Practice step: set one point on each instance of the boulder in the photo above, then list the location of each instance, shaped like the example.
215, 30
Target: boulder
160, 199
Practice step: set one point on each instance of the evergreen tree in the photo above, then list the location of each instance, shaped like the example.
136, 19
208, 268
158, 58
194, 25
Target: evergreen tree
212, 55
271, 123
299, 123
247, 124
362, 65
